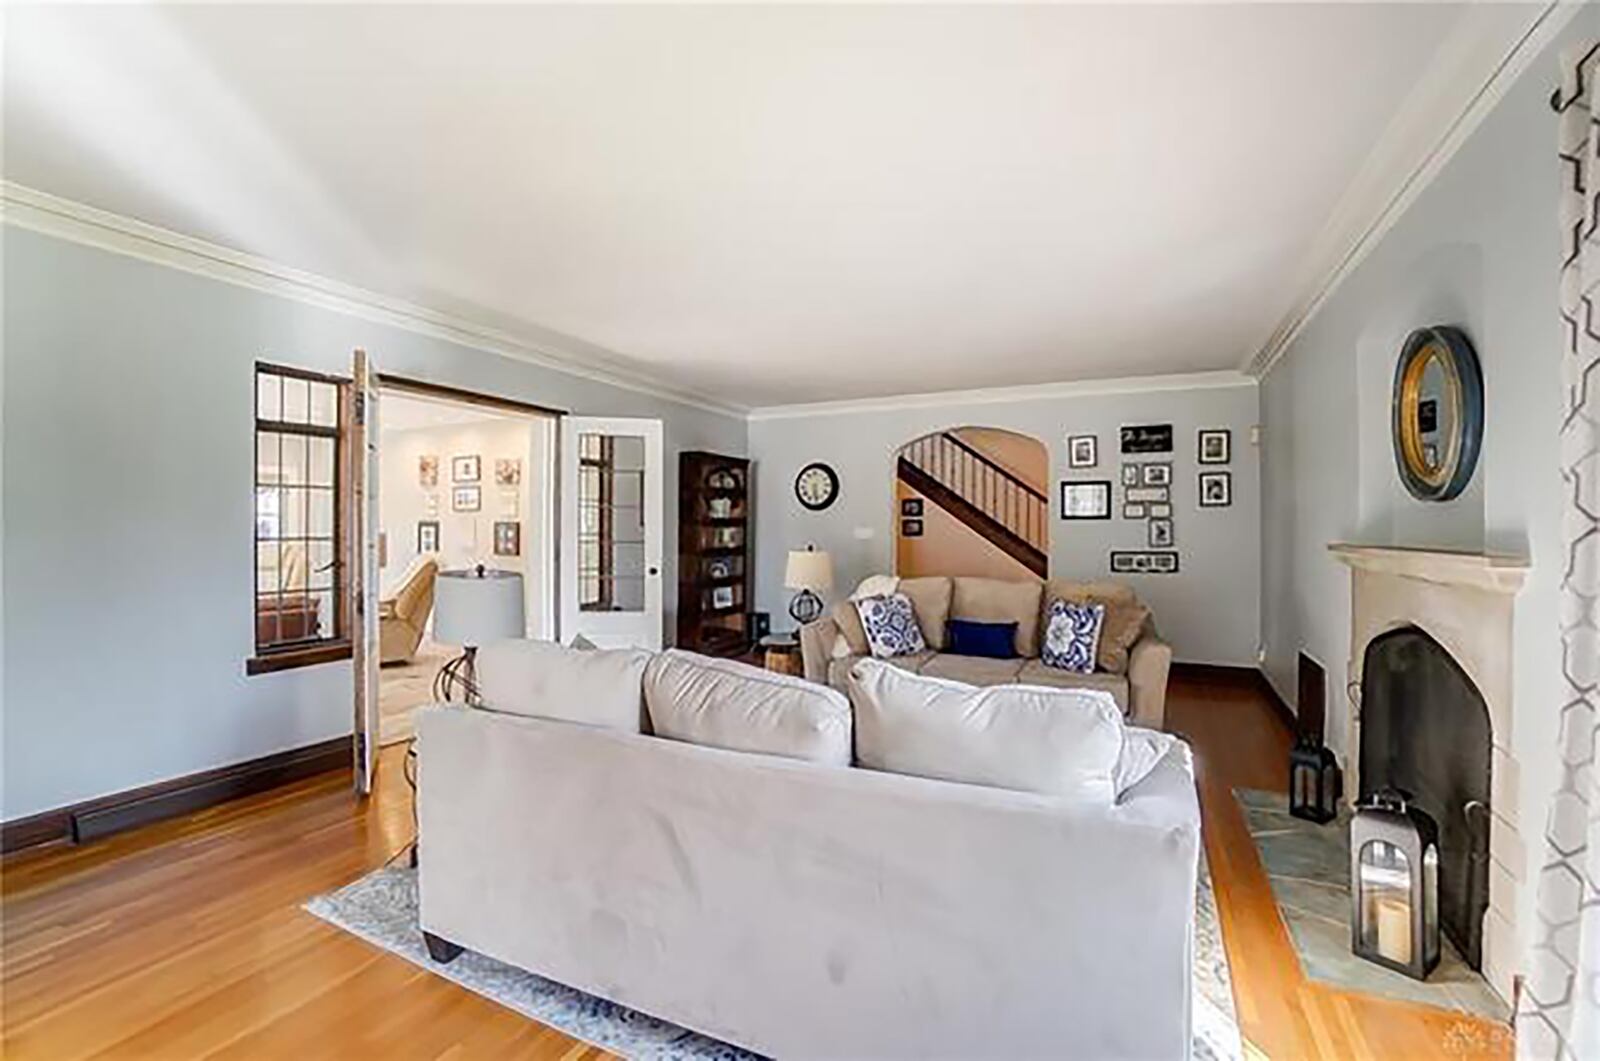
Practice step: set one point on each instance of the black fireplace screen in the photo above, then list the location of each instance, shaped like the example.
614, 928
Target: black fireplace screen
1425, 729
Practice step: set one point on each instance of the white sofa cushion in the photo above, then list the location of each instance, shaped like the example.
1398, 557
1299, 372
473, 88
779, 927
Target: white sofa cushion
726, 704
1058, 742
1142, 750
597, 687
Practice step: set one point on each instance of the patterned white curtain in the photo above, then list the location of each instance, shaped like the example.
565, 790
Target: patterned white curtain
1559, 1012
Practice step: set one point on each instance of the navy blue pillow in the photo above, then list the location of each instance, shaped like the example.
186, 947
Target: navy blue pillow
993, 640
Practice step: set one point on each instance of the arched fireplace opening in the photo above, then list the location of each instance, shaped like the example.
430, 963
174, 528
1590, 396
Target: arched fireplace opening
1425, 728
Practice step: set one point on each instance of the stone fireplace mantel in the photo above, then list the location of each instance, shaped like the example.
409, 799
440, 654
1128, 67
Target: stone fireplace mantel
1495, 572
1466, 603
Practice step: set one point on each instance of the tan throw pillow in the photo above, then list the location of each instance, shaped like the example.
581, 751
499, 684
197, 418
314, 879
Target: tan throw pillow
930, 599
1120, 630
850, 628
995, 600
1102, 590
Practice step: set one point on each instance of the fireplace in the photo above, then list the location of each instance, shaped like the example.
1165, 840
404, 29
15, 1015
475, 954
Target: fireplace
1442, 622
1425, 731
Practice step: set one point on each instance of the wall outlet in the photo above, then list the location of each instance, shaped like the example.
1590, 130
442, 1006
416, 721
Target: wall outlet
1255, 434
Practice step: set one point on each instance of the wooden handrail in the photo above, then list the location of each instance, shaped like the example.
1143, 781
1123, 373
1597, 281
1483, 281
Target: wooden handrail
979, 492
1027, 487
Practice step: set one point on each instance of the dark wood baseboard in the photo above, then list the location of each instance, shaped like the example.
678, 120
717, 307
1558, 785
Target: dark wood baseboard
100, 817
1253, 676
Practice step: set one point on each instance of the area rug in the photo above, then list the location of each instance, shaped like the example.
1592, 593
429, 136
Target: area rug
1309, 868
381, 908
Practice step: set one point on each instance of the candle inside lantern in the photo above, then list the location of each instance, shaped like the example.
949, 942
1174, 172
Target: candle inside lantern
1392, 915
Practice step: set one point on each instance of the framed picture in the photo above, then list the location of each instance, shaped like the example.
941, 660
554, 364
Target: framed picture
1090, 499
467, 469
428, 536
1133, 562
1161, 511
508, 471
911, 506
1157, 474
1083, 451
1133, 511
1216, 445
507, 538
1149, 495
911, 528
430, 504
428, 470
722, 597
510, 504
466, 499
1130, 475
1147, 438
1160, 534
1216, 489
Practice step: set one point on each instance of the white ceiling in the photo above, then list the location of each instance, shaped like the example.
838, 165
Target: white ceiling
761, 204
406, 412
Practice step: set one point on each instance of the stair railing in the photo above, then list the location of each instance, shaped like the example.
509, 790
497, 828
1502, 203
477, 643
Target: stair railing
976, 478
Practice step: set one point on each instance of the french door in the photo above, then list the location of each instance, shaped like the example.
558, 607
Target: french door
611, 530
361, 467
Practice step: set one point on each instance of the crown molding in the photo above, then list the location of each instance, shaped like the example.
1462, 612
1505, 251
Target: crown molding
1472, 71
1189, 381
66, 219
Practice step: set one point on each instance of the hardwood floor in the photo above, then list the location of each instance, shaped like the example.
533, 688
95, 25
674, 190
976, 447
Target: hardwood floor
186, 938
1240, 742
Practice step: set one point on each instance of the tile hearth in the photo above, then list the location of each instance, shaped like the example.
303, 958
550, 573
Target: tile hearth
1309, 867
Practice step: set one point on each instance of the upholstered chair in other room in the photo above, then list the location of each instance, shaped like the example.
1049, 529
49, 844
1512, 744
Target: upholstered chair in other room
402, 617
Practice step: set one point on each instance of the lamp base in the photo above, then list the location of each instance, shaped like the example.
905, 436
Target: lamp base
806, 607
457, 681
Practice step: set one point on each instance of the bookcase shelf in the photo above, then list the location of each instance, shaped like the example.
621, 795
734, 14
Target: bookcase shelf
714, 573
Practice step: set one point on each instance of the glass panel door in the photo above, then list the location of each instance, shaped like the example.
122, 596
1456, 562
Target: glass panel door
611, 531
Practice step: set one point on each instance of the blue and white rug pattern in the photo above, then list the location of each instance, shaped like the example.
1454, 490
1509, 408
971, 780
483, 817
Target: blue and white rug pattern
381, 908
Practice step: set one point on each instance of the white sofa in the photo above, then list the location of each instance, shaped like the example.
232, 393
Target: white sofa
800, 909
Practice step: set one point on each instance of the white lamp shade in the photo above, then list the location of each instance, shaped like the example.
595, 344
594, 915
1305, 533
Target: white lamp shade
470, 609
809, 569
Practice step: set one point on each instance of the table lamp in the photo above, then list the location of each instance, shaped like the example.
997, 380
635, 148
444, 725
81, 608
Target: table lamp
473, 608
811, 572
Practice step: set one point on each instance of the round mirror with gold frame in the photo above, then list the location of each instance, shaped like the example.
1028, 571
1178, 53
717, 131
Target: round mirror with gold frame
1437, 413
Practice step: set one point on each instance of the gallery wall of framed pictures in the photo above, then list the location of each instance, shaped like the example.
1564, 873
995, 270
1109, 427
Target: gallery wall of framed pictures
458, 491
1142, 492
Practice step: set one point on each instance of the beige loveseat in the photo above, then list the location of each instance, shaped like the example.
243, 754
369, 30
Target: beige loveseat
833, 643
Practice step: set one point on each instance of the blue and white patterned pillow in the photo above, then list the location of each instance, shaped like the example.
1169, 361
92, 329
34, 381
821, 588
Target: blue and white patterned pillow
891, 626
1072, 636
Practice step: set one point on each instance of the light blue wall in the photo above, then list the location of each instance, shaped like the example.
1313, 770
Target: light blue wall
128, 409
1479, 249
1208, 610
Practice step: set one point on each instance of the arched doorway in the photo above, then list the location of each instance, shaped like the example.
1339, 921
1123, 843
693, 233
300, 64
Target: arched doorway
972, 501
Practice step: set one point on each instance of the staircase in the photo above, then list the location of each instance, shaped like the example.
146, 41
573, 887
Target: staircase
991, 501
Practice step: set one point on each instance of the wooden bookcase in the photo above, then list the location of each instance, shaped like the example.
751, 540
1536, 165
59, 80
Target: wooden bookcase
714, 575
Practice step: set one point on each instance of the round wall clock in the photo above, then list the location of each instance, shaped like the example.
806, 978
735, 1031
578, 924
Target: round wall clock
817, 486
1437, 413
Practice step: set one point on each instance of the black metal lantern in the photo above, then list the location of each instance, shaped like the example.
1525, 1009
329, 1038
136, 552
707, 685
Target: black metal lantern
1315, 783
1394, 883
